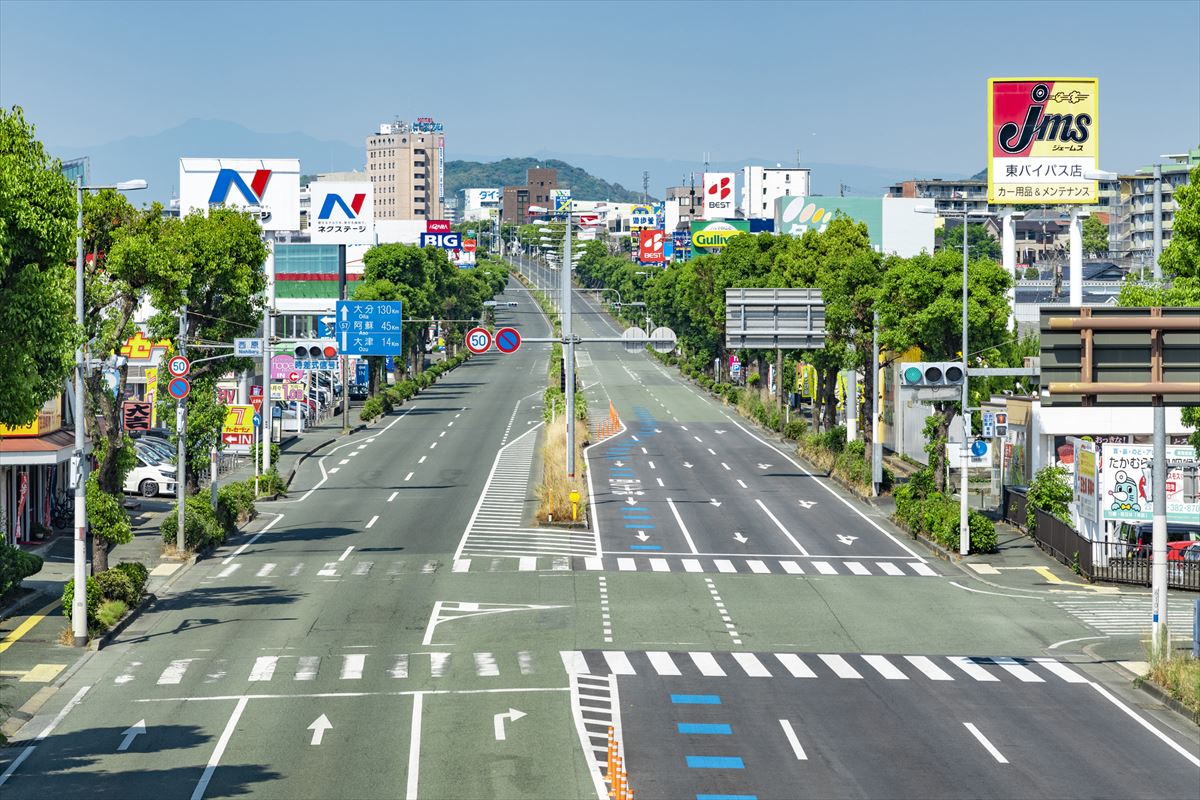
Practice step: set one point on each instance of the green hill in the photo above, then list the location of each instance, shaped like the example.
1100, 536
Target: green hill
511, 172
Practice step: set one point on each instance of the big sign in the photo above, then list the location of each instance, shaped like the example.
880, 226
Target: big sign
719, 202
238, 429
1042, 139
269, 187
650, 247
446, 241
341, 212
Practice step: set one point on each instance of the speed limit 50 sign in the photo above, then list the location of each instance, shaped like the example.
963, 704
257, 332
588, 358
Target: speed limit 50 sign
479, 340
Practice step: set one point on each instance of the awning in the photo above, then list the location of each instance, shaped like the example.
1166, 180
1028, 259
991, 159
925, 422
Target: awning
53, 448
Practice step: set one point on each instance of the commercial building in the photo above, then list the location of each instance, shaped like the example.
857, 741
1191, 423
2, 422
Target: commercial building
405, 162
762, 186
949, 196
480, 203
539, 183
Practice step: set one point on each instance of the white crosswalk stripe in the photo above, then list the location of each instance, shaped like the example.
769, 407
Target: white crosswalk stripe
700, 664
1128, 615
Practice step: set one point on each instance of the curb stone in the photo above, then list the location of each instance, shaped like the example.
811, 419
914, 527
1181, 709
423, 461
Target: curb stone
1160, 694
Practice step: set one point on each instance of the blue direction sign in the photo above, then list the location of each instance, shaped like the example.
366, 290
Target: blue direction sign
368, 327
257, 419
362, 373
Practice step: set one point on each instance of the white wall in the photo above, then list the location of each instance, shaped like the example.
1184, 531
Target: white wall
777, 182
905, 232
399, 231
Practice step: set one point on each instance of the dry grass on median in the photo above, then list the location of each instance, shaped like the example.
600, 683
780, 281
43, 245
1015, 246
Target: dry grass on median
554, 493
1180, 677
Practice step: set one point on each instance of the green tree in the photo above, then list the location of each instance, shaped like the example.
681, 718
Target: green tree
920, 305
1095, 236
1181, 257
981, 243
37, 319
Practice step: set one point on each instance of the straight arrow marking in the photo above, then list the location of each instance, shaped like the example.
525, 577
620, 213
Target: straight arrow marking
318, 727
132, 732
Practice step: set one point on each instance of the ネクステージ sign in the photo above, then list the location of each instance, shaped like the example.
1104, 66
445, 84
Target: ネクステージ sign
479, 340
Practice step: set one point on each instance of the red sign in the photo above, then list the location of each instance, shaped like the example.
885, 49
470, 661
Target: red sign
226, 395
468, 245
237, 438
293, 377
256, 397
479, 340
437, 226
588, 220
650, 247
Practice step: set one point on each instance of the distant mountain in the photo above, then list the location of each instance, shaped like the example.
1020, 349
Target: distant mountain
512, 172
156, 157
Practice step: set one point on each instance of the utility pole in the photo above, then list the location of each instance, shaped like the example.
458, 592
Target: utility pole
569, 346
876, 445
78, 463
266, 413
645, 185
1158, 276
344, 358
181, 441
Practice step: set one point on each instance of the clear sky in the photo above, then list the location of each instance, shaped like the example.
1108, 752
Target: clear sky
882, 84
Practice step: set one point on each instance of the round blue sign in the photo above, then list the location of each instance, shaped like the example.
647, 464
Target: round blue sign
507, 340
179, 388
257, 420
979, 448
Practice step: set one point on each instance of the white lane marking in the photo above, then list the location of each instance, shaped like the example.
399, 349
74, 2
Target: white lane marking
1022, 673
593, 562
333, 470
885, 668
724, 565
651, 463
997, 594
829, 489
707, 665
328, 570
791, 567
857, 568
45, 732
659, 565
399, 668
574, 662
683, 528
662, 663
726, 466
361, 446
173, 674
890, 568
697, 438
264, 668
362, 567
751, 665
971, 668
921, 569
626, 564
485, 665
421, 460
347, 551
839, 665
683, 427
440, 435
742, 483
461, 565
1057, 645
1061, 670
253, 539
352, 455
372, 520
232, 568
618, 663
795, 665
711, 452
991, 748
825, 568
645, 452
1173, 745
782, 529
306, 669
792, 740
414, 748
408, 477
758, 567
265, 571
433, 445
219, 750
692, 565
660, 483
930, 670
527, 564
352, 666
343, 462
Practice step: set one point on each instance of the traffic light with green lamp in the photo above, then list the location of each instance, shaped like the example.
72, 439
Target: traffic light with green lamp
933, 380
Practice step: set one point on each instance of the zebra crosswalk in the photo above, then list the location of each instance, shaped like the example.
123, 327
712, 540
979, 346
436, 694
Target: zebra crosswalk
1128, 615
321, 569
704, 664
763, 565
350, 666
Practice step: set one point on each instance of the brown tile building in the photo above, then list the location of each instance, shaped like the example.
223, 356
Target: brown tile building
404, 162
539, 182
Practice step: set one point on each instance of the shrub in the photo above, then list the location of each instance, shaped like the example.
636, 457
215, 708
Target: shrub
795, 429
385, 402
110, 612
106, 517
753, 379
271, 484
94, 598
15, 566
235, 501
372, 409
1050, 490
115, 585
137, 574
936, 516
200, 525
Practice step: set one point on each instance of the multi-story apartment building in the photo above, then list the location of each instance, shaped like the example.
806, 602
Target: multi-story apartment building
539, 182
1134, 226
761, 186
949, 196
405, 162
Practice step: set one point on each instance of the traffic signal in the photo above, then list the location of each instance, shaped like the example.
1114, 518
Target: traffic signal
932, 374
316, 348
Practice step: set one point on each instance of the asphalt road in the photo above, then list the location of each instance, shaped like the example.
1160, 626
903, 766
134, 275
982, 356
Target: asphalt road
397, 629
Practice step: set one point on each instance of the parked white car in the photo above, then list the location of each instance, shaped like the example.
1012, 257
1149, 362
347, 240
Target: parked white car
149, 480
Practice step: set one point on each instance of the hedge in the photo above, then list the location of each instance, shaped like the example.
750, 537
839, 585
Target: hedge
932, 514
95, 596
15, 566
123, 583
235, 504
201, 527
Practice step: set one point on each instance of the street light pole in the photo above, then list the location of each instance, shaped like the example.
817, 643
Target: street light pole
569, 346
964, 526
1157, 221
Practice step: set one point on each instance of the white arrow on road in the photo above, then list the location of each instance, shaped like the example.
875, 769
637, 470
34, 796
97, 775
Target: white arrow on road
618, 463
132, 732
642, 535
764, 466
807, 503
318, 727
688, 465
847, 540
630, 501
738, 536
718, 432
656, 430
498, 721
715, 502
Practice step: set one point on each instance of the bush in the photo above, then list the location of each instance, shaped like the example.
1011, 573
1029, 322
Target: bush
936, 516
200, 525
1050, 491
15, 566
94, 598
834, 439
110, 612
137, 574
235, 502
372, 409
795, 430
115, 585
271, 484
105, 515
385, 402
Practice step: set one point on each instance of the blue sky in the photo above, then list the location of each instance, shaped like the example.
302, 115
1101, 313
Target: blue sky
882, 84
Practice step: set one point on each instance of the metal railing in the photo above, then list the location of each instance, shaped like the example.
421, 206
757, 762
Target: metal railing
1125, 562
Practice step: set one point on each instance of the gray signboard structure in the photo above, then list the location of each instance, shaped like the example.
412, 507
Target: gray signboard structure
774, 319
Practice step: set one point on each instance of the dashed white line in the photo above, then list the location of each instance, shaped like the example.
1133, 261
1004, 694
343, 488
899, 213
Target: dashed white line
433, 445
991, 748
723, 464
372, 520
742, 483
392, 496
651, 463
408, 476
421, 460
345, 553
660, 483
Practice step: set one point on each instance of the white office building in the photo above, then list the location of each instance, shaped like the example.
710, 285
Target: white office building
762, 186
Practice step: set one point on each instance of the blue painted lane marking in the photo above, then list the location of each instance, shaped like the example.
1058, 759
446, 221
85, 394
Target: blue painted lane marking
711, 729
645, 547
639, 516
641, 527
714, 762
636, 508
726, 797
696, 699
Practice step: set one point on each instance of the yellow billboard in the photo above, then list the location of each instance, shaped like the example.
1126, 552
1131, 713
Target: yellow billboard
239, 425
1043, 140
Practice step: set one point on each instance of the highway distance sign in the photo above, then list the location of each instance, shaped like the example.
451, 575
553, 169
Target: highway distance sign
508, 340
479, 340
178, 366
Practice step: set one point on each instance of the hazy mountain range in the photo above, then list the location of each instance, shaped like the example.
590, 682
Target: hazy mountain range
156, 158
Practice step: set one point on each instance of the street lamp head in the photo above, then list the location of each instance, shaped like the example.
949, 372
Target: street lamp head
129, 186
538, 209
